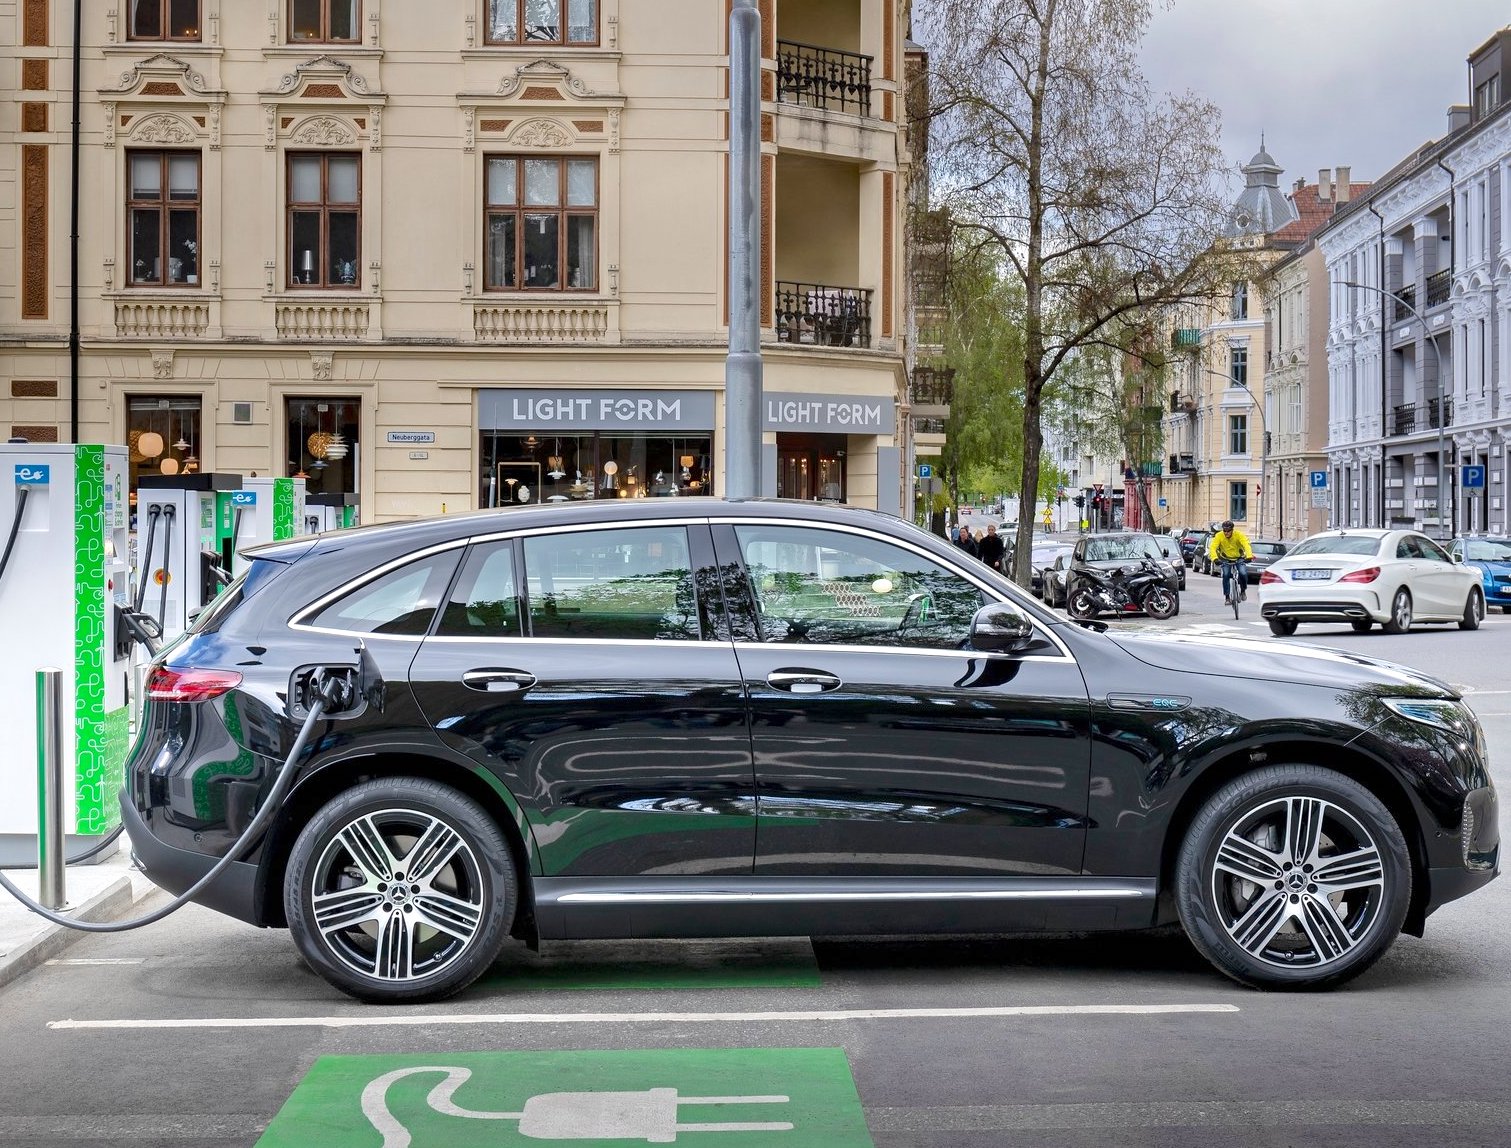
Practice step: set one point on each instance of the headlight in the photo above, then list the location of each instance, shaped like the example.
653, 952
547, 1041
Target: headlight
1452, 717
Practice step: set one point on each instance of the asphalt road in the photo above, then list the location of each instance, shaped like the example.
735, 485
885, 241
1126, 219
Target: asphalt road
1067, 1041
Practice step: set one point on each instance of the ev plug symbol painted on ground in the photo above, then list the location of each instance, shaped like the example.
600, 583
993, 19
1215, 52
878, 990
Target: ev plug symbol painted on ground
648, 1117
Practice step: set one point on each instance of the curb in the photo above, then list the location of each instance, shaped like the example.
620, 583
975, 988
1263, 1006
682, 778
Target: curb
112, 902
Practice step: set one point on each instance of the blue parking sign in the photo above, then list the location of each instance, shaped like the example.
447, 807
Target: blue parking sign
925, 471
1474, 478
1319, 480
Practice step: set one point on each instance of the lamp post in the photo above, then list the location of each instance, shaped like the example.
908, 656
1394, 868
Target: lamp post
1442, 406
1264, 432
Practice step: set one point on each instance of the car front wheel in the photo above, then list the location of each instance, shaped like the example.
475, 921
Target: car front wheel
400, 889
1293, 877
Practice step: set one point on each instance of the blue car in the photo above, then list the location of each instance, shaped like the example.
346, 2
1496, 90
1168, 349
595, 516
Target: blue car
1492, 557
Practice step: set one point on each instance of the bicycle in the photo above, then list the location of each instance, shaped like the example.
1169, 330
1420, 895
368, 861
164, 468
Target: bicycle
1237, 571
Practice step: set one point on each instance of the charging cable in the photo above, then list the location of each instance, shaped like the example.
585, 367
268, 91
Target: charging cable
333, 692
169, 514
154, 512
22, 492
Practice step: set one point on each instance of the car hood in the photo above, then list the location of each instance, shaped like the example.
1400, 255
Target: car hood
1493, 565
1263, 661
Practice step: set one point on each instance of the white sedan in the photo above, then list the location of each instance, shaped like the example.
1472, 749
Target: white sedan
1393, 577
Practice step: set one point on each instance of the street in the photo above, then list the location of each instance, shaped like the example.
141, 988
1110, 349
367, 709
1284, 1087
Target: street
204, 1032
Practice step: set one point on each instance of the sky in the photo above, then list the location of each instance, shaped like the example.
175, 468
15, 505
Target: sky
1360, 83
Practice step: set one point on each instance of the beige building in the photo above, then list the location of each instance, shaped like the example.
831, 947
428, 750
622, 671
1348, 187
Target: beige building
458, 253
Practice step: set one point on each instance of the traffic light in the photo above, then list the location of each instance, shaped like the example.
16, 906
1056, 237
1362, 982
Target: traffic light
1080, 501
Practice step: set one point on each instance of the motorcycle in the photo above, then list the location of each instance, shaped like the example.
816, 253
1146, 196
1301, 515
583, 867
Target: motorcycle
1123, 591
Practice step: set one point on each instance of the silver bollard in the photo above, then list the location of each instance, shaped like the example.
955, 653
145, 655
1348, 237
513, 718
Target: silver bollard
51, 852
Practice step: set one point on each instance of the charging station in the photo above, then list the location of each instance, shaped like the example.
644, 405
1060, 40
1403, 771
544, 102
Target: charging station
272, 510
183, 528
330, 512
67, 572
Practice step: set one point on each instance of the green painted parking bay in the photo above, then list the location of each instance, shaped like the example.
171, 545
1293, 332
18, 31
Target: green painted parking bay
651, 965
771, 1098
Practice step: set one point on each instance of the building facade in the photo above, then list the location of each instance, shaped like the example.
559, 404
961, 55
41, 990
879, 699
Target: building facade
454, 254
1419, 332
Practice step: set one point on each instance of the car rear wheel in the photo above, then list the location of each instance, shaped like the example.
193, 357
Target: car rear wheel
1282, 627
400, 889
1400, 613
1293, 877
1474, 611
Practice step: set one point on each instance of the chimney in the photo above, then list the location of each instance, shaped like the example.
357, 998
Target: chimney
1458, 117
1345, 188
1300, 183
1324, 185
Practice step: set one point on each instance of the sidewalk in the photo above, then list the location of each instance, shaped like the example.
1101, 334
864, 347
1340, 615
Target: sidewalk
105, 891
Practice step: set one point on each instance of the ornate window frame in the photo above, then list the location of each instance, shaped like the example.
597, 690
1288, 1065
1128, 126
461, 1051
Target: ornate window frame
476, 45
162, 103
541, 106
118, 38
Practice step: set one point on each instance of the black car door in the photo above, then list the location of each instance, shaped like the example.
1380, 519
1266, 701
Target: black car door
884, 747
580, 668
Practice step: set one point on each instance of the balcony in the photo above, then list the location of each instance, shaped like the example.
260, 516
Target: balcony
823, 315
1150, 470
1182, 464
1405, 302
823, 78
1185, 338
1181, 404
929, 426
932, 387
1410, 418
1439, 284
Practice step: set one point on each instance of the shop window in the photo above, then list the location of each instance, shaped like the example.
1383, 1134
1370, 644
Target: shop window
162, 435
325, 21
634, 584
811, 467
541, 224
325, 221
162, 20
523, 469
322, 434
163, 205
541, 22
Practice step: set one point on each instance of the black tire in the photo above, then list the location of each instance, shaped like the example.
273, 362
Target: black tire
1161, 603
1474, 611
1078, 603
467, 900
1400, 613
1289, 823
1362, 626
1282, 627
1506, 609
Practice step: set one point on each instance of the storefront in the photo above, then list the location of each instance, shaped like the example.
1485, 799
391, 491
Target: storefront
562, 445
816, 441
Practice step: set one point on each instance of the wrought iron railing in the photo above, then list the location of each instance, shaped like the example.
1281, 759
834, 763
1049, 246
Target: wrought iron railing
824, 315
1405, 303
929, 426
1439, 284
932, 386
1408, 418
823, 78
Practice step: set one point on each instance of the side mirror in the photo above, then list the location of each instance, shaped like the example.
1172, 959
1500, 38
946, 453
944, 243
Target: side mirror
1000, 629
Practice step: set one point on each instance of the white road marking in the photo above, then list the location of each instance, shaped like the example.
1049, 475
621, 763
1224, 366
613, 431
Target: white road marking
409, 1017
97, 961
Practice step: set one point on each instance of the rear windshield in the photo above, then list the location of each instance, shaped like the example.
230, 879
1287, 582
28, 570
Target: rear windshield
1336, 544
1272, 549
257, 575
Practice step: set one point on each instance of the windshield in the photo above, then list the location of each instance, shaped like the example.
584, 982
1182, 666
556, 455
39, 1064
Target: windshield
1483, 550
1365, 544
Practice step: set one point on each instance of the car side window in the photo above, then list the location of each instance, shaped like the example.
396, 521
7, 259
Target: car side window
834, 588
484, 602
1409, 548
1432, 551
634, 583
401, 602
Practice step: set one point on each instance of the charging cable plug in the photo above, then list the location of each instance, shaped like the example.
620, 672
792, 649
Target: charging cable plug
649, 1116
335, 689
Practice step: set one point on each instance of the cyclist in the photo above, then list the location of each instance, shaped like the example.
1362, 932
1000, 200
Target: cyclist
1231, 548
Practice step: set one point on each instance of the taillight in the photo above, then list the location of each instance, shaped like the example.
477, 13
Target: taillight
1368, 574
1268, 577
165, 685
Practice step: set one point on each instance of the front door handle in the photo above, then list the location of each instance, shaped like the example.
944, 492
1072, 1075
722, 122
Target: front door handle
498, 681
802, 681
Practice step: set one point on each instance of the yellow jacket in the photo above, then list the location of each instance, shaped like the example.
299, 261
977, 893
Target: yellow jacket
1224, 547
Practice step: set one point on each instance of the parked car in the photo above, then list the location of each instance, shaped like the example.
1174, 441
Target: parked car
691, 717
1393, 577
1189, 538
1042, 555
1266, 554
1108, 552
1169, 547
1201, 563
1053, 577
1492, 558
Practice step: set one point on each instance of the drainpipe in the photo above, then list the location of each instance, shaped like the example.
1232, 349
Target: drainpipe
1442, 382
73, 236
1384, 382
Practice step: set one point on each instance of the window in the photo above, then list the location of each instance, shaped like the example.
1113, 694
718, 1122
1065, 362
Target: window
632, 584
323, 443
163, 202
485, 600
1238, 434
162, 435
1239, 304
540, 22
325, 216
1486, 96
541, 224
1238, 366
401, 602
826, 587
1238, 501
162, 20
325, 21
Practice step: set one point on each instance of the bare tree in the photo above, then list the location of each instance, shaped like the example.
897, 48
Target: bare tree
1049, 146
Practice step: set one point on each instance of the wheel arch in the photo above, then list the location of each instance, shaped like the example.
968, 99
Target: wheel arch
1348, 761
320, 786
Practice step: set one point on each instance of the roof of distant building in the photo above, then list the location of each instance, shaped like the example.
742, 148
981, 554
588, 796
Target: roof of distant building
1313, 212
1262, 208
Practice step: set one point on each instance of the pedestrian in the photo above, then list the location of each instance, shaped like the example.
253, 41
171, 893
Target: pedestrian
990, 549
967, 543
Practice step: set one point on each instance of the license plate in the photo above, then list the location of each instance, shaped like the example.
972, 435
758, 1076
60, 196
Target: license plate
1310, 575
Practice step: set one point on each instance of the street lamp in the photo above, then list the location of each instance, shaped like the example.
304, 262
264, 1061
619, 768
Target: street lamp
1442, 407
1264, 431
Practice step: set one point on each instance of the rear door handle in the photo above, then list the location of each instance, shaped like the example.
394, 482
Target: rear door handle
802, 681
498, 681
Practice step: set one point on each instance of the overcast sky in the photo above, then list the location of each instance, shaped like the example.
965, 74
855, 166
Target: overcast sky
1328, 82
